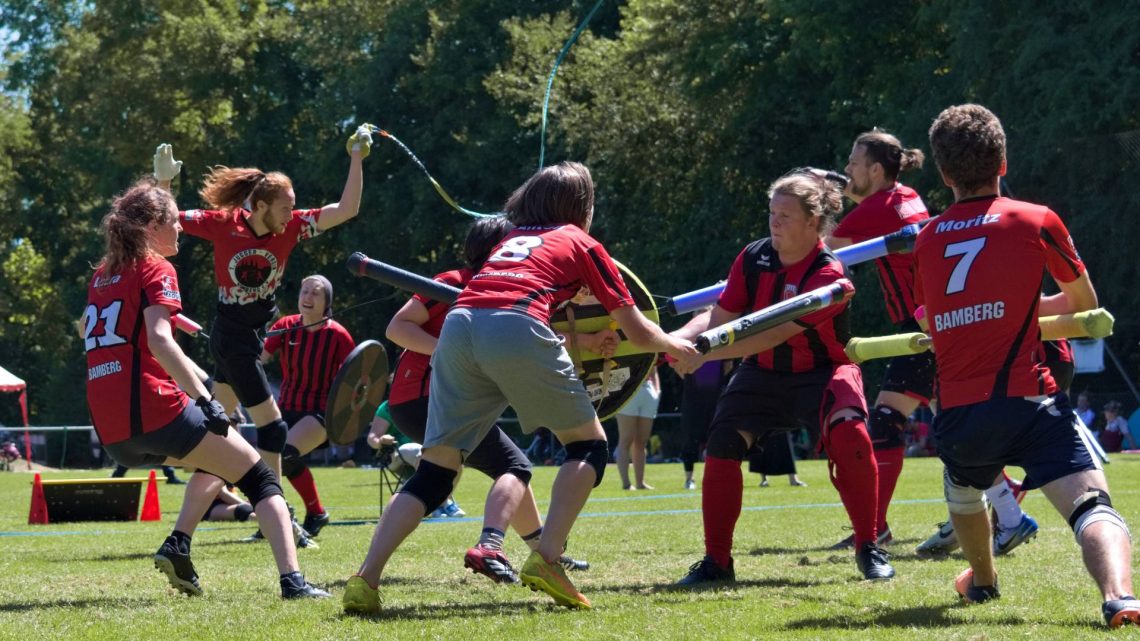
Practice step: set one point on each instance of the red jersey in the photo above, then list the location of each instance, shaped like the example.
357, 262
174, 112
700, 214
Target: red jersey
827, 330
248, 267
535, 269
978, 270
309, 361
413, 370
885, 212
128, 392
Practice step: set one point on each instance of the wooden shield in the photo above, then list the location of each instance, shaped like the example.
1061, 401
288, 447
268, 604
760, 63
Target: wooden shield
356, 392
612, 382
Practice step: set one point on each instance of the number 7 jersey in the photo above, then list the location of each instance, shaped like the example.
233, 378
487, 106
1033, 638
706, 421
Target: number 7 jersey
978, 272
128, 391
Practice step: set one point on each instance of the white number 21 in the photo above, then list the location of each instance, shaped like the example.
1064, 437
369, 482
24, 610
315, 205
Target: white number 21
110, 316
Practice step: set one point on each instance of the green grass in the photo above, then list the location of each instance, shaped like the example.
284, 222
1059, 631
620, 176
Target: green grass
98, 583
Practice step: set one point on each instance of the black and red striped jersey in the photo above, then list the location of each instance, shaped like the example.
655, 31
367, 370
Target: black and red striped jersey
128, 391
885, 212
310, 359
978, 271
535, 269
413, 370
827, 330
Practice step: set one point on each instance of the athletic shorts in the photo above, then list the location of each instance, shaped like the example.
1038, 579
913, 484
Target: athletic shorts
493, 456
1040, 435
176, 440
488, 359
912, 375
644, 402
237, 361
760, 401
292, 417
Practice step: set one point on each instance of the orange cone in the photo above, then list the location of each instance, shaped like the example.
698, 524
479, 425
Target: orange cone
38, 513
150, 510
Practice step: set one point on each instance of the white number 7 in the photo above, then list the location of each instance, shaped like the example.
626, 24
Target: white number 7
968, 250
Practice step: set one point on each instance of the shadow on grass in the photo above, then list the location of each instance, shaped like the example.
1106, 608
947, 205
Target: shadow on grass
76, 604
123, 556
672, 587
436, 611
384, 582
910, 617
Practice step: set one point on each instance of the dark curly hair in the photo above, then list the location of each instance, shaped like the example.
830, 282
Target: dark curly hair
969, 145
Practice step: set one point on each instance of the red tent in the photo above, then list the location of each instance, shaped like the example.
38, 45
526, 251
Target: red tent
11, 383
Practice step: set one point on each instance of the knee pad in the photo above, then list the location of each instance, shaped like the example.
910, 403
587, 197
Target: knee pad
431, 484
259, 483
962, 499
271, 437
886, 427
596, 453
242, 512
291, 463
727, 444
1092, 507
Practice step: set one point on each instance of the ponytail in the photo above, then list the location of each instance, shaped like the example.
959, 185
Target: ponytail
228, 188
885, 149
125, 225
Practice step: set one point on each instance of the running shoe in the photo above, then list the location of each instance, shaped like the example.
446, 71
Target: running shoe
883, 538
874, 563
1006, 540
940, 544
573, 565
1117, 612
314, 523
177, 567
707, 571
491, 563
970, 593
360, 598
551, 578
294, 586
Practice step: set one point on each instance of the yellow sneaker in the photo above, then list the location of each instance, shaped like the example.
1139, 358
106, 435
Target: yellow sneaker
537, 574
360, 598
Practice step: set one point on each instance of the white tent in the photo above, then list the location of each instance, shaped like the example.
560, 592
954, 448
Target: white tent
9, 382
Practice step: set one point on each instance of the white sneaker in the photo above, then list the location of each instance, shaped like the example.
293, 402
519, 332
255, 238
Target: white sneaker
940, 544
452, 509
690, 484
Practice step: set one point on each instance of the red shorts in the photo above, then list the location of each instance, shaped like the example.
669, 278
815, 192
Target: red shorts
845, 389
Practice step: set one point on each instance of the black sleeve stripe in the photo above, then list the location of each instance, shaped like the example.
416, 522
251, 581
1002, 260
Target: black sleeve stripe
614, 286
1001, 382
897, 295
136, 367
1052, 242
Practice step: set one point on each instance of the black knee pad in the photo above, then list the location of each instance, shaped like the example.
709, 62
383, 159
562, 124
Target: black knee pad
291, 463
431, 484
242, 512
259, 483
596, 453
727, 443
1089, 501
886, 428
271, 437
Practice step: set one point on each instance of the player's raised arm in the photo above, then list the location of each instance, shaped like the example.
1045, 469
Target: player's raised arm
359, 145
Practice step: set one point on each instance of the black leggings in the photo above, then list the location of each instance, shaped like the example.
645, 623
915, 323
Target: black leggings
495, 455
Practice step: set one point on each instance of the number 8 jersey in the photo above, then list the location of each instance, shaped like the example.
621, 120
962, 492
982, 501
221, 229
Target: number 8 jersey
978, 272
128, 391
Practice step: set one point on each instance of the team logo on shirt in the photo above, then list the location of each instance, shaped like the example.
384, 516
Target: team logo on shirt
169, 288
790, 291
253, 268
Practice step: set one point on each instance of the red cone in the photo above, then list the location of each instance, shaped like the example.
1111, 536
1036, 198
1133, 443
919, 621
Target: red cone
150, 510
38, 513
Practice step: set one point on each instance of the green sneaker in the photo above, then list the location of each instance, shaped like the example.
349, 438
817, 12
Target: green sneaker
537, 575
360, 598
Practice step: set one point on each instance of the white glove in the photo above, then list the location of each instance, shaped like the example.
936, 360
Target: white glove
360, 141
166, 168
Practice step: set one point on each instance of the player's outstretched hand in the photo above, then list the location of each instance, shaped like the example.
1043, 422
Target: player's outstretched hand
216, 419
166, 168
360, 141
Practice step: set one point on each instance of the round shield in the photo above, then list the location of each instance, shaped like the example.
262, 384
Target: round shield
611, 382
356, 392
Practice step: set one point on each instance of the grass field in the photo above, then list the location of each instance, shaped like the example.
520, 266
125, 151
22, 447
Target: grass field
96, 580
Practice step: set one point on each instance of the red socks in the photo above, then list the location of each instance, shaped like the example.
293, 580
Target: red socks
890, 464
307, 488
855, 475
722, 493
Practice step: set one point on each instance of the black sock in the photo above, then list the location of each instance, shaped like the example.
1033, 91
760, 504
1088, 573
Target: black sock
181, 541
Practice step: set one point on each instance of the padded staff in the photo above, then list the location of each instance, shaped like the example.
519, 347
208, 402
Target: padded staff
361, 265
900, 242
778, 314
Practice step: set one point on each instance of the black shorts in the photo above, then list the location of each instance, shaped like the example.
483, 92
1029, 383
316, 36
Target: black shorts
913, 374
292, 417
237, 361
176, 439
493, 456
976, 441
1062, 372
761, 402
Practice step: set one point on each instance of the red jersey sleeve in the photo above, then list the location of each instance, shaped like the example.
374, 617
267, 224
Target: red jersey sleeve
273, 342
344, 346
1061, 258
160, 284
603, 278
304, 223
859, 225
734, 298
202, 223
824, 277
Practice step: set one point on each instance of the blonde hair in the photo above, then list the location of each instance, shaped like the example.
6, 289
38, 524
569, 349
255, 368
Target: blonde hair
820, 197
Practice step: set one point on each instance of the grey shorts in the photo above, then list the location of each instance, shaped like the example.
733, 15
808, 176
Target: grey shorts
488, 359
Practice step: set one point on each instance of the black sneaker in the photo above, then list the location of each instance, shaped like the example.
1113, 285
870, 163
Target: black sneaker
256, 537
970, 593
177, 567
174, 480
294, 586
873, 562
571, 564
314, 523
707, 571
1118, 612
884, 538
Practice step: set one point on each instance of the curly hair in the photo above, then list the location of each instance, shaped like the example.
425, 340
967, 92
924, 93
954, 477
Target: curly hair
124, 227
231, 187
969, 145
887, 150
555, 195
820, 197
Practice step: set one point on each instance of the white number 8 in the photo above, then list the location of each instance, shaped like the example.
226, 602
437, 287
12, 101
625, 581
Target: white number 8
516, 249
